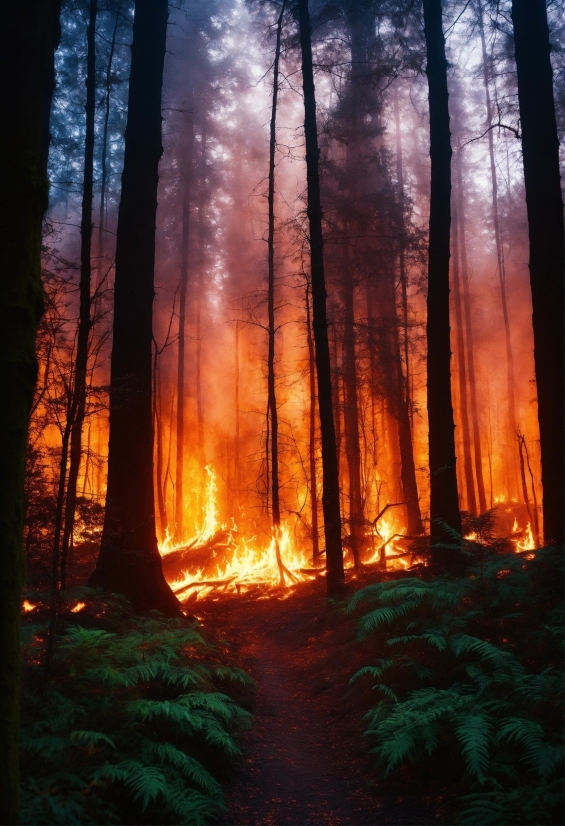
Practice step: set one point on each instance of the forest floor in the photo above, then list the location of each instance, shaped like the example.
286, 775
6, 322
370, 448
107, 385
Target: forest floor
305, 759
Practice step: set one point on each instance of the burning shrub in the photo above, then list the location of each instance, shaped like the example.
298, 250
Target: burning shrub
471, 684
130, 725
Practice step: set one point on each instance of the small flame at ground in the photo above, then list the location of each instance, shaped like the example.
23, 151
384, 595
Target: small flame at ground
78, 607
526, 541
28, 606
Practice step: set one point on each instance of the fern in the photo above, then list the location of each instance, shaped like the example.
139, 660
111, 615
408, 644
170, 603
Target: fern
473, 678
132, 715
473, 732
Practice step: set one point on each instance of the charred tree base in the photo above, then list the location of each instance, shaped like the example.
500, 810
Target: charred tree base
137, 578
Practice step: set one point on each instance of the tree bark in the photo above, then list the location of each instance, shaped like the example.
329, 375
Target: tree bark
444, 503
199, 299
544, 203
330, 473
462, 374
470, 340
271, 388
237, 446
31, 34
179, 465
158, 429
312, 431
402, 256
78, 404
129, 560
510, 380
104, 153
351, 408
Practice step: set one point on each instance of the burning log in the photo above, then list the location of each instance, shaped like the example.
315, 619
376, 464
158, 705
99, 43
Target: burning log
194, 555
205, 583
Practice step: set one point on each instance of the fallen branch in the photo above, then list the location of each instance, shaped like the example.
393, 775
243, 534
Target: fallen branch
210, 583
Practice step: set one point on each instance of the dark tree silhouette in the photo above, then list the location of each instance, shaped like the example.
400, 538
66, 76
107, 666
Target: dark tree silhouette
78, 403
271, 386
129, 560
444, 504
544, 203
31, 34
184, 268
330, 474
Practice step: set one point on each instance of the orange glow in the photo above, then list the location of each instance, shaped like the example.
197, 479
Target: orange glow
78, 607
524, 539
28, 606
213, 492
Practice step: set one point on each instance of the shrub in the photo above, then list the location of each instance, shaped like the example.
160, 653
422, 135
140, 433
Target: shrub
130, 724
470, 681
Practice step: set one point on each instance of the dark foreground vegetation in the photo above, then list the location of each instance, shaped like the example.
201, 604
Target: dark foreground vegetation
134, 721
467, 678
441, 695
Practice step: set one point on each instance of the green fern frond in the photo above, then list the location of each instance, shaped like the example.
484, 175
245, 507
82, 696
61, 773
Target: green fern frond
166, 753
386, 615
89, 738
501, 661
473, 732
374, 671
145, 782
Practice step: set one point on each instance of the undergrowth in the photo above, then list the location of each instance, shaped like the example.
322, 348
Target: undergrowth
134, 722
469, 682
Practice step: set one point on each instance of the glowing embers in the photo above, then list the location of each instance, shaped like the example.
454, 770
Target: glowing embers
75, 609
28, 606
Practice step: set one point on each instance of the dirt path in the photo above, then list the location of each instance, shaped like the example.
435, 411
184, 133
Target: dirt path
305, 761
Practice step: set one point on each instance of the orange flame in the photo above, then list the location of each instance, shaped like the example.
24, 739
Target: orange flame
78, 607
525, 540
28, 606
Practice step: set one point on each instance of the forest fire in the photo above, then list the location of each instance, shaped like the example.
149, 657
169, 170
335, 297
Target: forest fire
281, 327
291, 424
218, 558
524, 539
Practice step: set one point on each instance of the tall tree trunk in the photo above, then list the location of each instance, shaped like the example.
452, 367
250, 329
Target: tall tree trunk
78, 404
104, 153
402, 255
330, 473
271, 390
199, 300
544, 202
510, 380
237, 446
312, 431
521, 443
406, 448
400, 437
534, 495
179, 466
351, 408
129, 560
462, 374
31, 34
469, 338
58, 527
158, 428
444, 504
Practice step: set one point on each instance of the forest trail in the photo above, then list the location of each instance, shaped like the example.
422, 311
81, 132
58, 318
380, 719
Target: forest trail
304, 762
